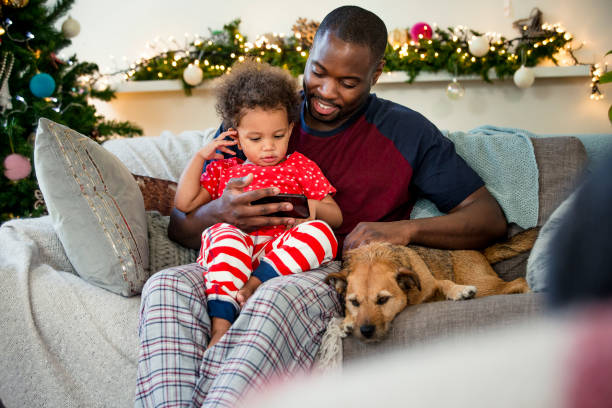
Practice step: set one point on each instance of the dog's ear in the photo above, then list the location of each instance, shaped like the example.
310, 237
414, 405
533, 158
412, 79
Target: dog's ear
407, 279
338, 281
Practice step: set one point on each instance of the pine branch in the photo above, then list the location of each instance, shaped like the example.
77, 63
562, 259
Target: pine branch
106, 94
60, 9
112, 127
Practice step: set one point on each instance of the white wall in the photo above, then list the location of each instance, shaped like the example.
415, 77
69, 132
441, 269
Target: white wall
122, 29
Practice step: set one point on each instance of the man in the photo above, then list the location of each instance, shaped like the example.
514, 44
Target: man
378, 155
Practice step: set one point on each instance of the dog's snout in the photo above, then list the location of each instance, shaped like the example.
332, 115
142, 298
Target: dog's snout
367, 330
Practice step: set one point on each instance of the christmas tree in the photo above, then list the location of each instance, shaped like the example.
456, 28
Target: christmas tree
35, 83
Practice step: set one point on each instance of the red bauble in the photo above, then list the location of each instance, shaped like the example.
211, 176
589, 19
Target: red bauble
422, 29
16, 167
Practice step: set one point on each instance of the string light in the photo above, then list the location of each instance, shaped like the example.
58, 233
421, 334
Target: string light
596, 73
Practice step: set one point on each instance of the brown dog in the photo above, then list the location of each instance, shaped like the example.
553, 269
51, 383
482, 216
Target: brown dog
379, 280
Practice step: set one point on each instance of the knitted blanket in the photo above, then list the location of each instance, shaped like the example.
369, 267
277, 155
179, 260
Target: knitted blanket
164, 156
505, 160
56, 327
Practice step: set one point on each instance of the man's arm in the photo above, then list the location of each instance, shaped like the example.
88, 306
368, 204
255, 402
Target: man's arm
186, 228
233, 207
474, 223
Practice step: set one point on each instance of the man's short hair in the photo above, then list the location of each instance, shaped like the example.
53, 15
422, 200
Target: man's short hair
356, 25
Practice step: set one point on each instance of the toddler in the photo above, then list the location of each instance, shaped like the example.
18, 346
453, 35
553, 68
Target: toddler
259, 105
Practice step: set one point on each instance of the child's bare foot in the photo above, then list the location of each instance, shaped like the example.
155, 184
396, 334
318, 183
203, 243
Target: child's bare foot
247, 290
219, 328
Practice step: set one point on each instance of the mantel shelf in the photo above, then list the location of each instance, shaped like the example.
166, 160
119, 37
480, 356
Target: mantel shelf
386, 78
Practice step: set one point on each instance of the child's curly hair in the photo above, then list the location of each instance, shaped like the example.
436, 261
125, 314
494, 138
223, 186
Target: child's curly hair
251, 84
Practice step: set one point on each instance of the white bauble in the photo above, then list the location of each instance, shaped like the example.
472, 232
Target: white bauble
193, 75
524, 77
71, 27
479, 46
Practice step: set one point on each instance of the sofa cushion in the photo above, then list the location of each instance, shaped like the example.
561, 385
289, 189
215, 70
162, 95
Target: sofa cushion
96, 208
561, 164
165, 253
422, 323
158, 194
158, 198
512, 268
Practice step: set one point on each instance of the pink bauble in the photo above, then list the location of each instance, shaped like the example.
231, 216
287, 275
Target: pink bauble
423, 29
16, 167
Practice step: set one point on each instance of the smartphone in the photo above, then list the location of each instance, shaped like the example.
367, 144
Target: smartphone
299, 201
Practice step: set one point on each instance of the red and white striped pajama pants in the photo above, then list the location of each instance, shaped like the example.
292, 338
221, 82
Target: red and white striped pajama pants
231, 256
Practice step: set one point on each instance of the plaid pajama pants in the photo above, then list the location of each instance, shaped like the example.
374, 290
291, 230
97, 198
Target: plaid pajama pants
278, 332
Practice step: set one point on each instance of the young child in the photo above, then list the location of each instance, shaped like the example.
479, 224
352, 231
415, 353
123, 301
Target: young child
259, 105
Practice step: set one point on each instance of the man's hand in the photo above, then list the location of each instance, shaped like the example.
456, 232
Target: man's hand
476, 222
366, 232
234, 206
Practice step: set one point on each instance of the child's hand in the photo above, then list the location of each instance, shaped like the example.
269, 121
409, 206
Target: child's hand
209, 152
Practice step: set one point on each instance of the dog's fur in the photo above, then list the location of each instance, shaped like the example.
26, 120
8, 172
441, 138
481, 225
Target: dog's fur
379, 280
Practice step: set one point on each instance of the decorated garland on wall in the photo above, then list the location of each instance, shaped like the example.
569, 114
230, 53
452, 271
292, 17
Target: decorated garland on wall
422, 48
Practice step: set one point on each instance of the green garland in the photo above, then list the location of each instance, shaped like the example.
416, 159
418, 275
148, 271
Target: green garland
218, 53
445, 51
449, 52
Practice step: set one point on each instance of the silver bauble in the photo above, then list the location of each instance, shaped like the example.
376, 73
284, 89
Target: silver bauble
455, 90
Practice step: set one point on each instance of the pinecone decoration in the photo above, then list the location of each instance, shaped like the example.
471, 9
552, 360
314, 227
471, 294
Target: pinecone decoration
304, 31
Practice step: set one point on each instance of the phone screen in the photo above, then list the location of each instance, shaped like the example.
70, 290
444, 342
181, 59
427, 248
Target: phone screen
299, 201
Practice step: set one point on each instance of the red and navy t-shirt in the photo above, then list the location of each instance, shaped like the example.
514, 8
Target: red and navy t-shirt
383, 158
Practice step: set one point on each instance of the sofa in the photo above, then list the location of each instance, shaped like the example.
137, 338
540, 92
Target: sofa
67, 341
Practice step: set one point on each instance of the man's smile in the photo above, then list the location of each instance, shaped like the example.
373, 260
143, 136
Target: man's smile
323, 108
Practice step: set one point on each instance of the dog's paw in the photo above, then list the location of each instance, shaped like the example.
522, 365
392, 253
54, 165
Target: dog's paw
464, 292
346, 327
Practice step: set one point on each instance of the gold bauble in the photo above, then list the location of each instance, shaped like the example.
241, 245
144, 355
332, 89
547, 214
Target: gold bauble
15, 3
398, 37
